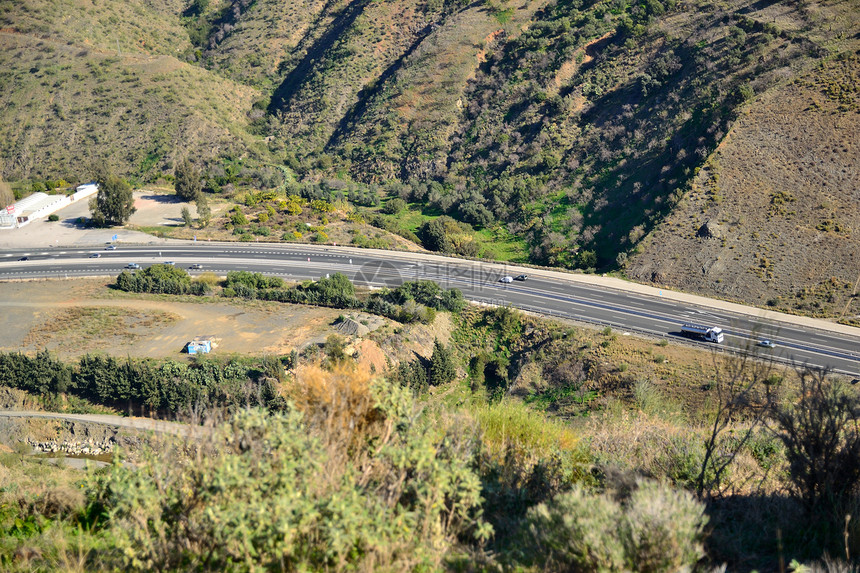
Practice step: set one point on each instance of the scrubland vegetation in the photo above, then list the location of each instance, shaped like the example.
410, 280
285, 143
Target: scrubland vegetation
698, 144
564, 133
520, 444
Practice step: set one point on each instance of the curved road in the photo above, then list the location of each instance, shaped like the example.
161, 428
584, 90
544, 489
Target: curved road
588, 298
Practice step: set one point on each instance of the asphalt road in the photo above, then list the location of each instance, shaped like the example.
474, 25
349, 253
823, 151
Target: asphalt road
632, 308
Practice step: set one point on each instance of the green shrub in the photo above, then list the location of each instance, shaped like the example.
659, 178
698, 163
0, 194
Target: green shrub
53, 217
237, 217
662, 529
160, 279
286, 492
656, 529
577, 530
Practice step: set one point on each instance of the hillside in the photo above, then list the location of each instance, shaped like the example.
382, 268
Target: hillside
773, 215
598, 135
105, 83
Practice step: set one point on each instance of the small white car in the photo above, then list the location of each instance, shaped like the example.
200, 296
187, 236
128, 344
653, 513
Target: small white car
110, 248
95, 256
169, 263
766, 343
132, 266
506, 280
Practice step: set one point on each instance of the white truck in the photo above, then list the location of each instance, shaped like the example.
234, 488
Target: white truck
706, 333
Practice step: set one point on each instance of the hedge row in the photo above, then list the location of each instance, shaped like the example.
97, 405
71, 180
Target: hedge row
162, 386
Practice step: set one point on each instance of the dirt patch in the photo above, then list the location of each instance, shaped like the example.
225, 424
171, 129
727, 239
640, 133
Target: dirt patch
368, 353
88, 328
70, 319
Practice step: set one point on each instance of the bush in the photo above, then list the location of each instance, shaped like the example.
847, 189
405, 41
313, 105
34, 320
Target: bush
662, 529
397, 495
159, 279
237, 217
394, 206
53, 217
576, 531
656, 529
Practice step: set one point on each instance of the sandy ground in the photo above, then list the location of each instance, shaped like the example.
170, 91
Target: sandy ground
152, 209
48, 315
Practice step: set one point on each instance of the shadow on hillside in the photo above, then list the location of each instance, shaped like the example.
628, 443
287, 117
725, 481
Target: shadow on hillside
164, 199
297, 77
766, 532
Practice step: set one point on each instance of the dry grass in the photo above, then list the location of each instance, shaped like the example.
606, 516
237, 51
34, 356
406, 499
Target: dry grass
781, 190
340, 400
95, 327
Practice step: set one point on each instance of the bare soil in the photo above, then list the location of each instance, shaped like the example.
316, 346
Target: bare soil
72, 318
75, 317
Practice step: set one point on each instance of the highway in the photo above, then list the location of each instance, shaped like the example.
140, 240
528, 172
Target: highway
624, 307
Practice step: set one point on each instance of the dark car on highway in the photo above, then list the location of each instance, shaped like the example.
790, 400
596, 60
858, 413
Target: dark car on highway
521, 277
24, 259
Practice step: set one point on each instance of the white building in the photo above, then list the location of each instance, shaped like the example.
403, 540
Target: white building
40, 205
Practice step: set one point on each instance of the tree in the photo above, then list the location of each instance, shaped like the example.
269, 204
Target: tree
745, 388
187, 181
394, 206
204, 213
442, 367
433, 235
821, 433
114, 203
186, 216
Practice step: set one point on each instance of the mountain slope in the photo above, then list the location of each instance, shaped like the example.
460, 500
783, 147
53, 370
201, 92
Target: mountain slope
615, 134
774, 215
71, 99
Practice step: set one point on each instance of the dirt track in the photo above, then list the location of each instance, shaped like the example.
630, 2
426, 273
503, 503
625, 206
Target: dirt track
149, 424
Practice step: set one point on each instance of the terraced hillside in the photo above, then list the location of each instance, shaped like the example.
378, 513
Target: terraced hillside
599, 135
